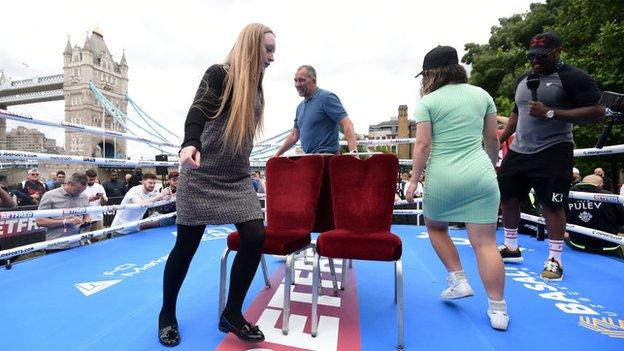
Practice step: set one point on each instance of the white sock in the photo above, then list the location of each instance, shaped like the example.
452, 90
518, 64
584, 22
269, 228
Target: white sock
511, 238
555, 249
458, 275
497, 305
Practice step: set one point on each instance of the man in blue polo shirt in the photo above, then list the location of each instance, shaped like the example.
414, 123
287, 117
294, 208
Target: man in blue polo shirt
317, 118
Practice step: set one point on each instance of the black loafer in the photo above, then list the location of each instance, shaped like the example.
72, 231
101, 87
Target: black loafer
169, 336
249, 333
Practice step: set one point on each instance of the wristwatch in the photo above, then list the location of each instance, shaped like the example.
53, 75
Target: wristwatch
550, 114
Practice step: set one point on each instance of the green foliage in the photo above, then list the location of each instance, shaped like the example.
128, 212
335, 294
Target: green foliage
592, 33
386, 149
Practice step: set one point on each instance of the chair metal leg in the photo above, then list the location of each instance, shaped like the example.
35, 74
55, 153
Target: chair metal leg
265, 272
223, 280
332, 270
315, 290
287, 282
343, 275
292, 269
399, 293
395, 283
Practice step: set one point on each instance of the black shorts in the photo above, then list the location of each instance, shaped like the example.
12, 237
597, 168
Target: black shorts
548, 172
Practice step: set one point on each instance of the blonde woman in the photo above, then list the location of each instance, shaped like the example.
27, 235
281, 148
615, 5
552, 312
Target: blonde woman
214, 186
453, 120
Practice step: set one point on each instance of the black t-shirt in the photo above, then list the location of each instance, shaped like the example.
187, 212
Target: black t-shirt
114, 189
603, 216
27, 188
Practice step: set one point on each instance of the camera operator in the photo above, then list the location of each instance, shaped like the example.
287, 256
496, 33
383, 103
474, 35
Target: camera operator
603, 216
548, 101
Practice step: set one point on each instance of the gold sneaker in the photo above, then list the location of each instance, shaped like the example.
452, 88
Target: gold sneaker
552, 271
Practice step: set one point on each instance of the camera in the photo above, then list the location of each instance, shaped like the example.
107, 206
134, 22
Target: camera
614, 114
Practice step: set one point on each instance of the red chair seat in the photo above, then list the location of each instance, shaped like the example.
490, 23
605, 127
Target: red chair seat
276, 242
374, 246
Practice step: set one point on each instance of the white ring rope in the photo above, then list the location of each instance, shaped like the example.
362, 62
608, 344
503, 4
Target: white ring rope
407, 212
598, 234
76, 211
404, 202
382, 141
80, 127
597, 197
607, 150
33, 156
64, 241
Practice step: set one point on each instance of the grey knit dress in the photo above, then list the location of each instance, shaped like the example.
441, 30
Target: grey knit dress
220, 190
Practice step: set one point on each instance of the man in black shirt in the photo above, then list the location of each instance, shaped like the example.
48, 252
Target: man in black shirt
548, 102
603, 216
114, 188
30, 191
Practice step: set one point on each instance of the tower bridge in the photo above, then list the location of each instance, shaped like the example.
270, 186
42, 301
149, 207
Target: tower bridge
91, 63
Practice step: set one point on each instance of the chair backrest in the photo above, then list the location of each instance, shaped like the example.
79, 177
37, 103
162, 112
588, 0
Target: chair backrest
363, 191
324, 213
292, 191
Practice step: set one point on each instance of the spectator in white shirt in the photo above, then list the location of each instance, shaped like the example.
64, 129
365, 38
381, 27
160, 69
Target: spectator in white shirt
144, 194
97, 197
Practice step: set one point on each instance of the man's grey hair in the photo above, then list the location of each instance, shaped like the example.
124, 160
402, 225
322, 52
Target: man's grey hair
311, 71
78, 178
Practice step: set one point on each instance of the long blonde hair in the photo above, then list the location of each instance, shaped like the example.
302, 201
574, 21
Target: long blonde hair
244, 80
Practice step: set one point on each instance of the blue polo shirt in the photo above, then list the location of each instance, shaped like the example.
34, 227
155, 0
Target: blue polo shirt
317, 120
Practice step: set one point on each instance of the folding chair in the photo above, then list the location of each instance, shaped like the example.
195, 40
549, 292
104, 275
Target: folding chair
362, 218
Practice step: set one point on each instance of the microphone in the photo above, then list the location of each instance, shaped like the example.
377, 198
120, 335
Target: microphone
533, 82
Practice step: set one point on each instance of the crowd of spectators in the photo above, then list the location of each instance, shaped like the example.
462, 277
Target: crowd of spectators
80, 190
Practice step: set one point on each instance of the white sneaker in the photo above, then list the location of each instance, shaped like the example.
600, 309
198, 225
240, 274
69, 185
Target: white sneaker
458, 288
498, 319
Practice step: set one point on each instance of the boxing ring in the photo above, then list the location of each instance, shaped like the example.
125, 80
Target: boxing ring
107, 295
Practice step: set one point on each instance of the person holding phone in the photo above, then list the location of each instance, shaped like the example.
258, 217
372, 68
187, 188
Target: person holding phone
97, 197
70, 195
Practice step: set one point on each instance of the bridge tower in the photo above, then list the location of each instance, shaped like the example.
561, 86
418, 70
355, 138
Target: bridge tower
93, 63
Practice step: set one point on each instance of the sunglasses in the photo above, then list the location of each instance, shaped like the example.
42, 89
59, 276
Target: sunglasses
538, 57
35, 174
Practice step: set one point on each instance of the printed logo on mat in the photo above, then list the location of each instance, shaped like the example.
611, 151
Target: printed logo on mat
591, 314
91, 288
339, 320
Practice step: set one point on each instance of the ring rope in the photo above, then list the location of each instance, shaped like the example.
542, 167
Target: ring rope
598, 234
76, 211
64, 241
33, 156
79, 127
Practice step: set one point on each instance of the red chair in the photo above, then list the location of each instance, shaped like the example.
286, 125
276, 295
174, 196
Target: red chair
293, 187
363, 200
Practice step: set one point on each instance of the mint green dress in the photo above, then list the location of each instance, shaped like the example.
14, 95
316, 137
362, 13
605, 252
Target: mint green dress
460, 185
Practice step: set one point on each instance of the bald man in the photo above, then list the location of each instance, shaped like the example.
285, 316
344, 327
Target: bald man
603, 216
607, 183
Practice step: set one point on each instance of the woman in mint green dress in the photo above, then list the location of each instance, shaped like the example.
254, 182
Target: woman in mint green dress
456, 139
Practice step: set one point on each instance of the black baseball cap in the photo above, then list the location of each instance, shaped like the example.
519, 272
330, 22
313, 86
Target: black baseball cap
544, 43
438, 57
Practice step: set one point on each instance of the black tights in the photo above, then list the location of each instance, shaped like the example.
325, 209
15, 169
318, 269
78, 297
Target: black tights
243, 269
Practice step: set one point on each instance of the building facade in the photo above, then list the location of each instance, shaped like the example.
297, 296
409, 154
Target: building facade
93, 63
396, 128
